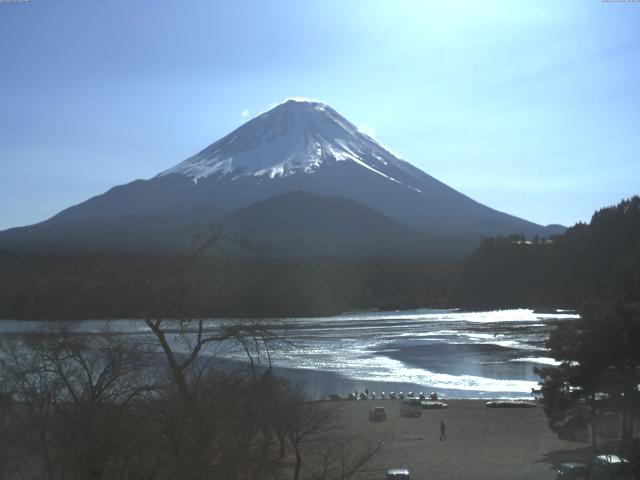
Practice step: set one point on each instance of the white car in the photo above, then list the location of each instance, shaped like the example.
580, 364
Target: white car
609, 467
398, 474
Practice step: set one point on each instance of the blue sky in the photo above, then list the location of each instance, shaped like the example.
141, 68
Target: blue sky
531, 107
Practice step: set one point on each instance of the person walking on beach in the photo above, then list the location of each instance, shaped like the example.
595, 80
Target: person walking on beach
443, 431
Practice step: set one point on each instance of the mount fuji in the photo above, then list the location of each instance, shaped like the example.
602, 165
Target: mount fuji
300, 176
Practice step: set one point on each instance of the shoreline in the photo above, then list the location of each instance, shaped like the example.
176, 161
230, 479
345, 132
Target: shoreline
319, 384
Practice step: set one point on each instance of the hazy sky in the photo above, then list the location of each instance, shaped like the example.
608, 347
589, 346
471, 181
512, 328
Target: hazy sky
531, 107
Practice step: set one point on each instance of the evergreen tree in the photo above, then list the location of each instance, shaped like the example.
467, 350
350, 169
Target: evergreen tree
599, 371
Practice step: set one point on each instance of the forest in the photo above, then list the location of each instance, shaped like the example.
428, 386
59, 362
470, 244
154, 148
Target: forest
79, 286
503, 272
561, 272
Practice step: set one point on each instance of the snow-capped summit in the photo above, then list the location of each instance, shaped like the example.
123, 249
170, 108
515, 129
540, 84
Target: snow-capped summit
298, 136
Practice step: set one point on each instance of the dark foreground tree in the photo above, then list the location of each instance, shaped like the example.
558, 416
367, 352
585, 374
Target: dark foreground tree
594, 390
8, 432
71, 397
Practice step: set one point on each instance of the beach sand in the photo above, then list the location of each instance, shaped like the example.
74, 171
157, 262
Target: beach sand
482, 442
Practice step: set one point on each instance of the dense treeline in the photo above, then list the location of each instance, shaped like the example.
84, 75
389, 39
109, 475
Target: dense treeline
566, 270
66, 286
502, 272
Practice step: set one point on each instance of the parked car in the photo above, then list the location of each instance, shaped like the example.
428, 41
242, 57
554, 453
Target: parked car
378, 414
573, 471
429, 405
410, 407
398, 474
610, 467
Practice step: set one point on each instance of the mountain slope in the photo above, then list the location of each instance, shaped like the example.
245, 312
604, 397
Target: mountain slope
302, 146
312, 224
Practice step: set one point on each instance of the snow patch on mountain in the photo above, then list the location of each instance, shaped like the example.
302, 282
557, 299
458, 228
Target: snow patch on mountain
298, 136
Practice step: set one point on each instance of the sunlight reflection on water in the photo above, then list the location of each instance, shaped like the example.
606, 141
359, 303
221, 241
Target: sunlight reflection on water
466, 354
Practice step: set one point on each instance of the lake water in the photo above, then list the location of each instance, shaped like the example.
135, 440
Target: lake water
457, 354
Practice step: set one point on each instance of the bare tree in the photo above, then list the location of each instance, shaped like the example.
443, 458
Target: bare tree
8, 431
210, 417
73, 392
340, 456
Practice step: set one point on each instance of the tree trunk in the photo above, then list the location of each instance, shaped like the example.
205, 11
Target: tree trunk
592, 421
176, 372
296, 473
593, 432
282, 438
46, 458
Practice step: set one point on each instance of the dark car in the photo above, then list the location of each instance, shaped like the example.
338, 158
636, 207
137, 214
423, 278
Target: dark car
573, 471
377, 414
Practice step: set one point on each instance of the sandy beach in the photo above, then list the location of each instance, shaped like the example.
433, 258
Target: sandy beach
482, 442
